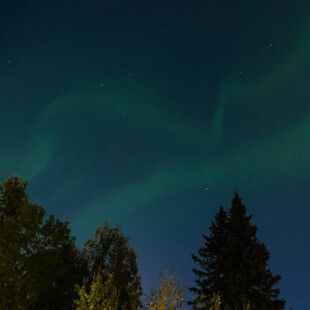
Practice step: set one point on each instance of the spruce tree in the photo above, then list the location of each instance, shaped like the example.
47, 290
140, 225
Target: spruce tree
233, 264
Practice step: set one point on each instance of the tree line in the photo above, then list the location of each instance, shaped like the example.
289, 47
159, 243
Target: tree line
41, 268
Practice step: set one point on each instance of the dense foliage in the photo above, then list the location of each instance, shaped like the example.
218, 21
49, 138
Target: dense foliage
234, 264
170, 294
41, 267
100, 295
110, 255
39, 263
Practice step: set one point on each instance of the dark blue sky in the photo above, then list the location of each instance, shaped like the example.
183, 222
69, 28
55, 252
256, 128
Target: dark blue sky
149, 114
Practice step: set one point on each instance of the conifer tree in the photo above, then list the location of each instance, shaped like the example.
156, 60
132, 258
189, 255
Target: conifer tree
233, 264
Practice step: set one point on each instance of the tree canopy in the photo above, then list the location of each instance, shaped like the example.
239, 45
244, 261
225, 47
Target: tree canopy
110, 254
233, 264
170, 294
100, 295
39, 263
42, 268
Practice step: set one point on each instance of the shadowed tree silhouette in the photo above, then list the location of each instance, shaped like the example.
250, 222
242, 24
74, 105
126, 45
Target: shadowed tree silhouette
233, 264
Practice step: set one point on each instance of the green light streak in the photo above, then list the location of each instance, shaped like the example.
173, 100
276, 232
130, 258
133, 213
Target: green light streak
133, 104
280, 157
241, 94
117, 104
138, 105
283, 157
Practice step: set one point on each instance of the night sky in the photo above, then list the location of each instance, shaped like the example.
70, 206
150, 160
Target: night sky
149, 114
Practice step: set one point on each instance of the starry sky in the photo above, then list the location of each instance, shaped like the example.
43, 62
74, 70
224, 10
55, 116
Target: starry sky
149, 114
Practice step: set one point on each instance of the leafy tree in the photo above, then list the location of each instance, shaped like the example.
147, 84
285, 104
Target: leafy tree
39, 263
170, 294
234, 264
110, 254
103, 295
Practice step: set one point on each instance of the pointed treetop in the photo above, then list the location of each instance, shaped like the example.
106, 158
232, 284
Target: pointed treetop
233, 264
238, 209
236, 196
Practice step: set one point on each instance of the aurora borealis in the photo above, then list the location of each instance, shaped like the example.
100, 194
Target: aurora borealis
150, 115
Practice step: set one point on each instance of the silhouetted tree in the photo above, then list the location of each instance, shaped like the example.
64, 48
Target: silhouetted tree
233, 264
110, 254
39, 263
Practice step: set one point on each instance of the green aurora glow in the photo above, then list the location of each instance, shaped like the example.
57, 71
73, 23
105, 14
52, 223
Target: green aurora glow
151, 115
141, 106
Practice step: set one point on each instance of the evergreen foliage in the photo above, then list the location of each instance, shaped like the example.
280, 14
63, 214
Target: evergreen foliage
234, 264
214, 303
40, 266
110, 254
